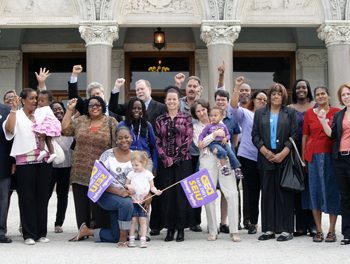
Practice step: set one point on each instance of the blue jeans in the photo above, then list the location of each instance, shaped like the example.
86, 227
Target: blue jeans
120, 210
225, 151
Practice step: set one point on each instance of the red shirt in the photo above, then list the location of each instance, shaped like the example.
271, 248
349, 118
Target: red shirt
318, 141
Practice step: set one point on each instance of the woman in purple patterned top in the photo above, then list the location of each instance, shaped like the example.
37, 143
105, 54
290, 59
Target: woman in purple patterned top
174, 133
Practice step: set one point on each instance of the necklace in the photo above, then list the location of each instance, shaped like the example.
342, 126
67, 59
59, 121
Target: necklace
135, 137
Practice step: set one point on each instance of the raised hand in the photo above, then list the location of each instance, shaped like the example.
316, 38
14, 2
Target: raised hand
77, 69
321, 115
119, 83
42, 75
15, 102
179, 79
239, 81
221, 68
71, 104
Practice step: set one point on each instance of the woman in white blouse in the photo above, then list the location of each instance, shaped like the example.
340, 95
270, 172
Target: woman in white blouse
199, 111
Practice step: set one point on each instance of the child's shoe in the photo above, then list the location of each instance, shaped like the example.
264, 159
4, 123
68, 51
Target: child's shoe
42, 155
52, 157
239, 174
225, 171
131, 242
143, 242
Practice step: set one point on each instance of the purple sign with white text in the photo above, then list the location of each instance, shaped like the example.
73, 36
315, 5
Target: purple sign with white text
99, 181
199, 188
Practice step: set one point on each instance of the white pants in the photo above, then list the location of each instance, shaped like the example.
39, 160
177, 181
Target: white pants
228, 187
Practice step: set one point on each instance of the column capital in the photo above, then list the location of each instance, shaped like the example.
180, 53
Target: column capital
9, 59
220, 32
335, 32
99, 32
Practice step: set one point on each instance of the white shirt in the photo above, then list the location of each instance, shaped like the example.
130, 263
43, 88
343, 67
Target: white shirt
140, 183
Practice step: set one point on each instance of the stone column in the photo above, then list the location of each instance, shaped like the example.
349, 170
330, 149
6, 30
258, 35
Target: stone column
99, 37
219, 37
336, 35
202, 70
118, 70
313, 66
10, 71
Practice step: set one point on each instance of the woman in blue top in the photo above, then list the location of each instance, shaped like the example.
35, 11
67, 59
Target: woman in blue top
142, 133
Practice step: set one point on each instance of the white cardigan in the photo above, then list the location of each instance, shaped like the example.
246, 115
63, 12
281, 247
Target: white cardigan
24, 140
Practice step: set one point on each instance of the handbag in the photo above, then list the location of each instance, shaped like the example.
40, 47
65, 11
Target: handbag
59, 152
293, 174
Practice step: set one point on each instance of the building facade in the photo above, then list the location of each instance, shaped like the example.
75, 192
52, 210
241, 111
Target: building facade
265, 40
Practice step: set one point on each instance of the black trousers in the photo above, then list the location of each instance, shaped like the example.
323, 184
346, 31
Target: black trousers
342, 169
60, 178
86, 211
252, 183
33, 188
172, 210
277, 204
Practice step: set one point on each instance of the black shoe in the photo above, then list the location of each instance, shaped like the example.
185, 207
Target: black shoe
312, 233
154, 232
299, 233
252, 229
239, 227
224, 228
283, 238
265, 236
196, 228
180, 235
169, 235
5, 239
345, 241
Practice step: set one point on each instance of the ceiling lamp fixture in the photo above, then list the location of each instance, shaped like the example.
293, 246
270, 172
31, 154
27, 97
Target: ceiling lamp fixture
159, 39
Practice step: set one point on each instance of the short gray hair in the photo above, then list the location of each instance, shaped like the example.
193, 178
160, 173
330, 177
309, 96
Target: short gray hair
147, 83
92, 86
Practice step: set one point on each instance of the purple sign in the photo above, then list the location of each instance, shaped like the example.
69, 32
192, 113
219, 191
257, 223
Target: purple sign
99, 181
199, 188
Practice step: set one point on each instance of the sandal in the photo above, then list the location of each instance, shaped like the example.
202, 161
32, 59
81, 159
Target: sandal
212, 237
331, 237
318, 237
122, 244
236, 238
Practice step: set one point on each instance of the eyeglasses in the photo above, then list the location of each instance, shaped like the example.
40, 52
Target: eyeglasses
261, 99
94, 106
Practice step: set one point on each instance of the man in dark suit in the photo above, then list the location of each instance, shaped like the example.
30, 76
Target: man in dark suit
93, 89
5, 175
143, 92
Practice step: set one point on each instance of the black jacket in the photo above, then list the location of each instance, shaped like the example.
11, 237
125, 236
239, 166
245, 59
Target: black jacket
154, 109
5, 145
337, 130
286, 127
81, 106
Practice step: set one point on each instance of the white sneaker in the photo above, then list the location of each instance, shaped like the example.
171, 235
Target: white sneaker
44, 240
29, 241
52, 158
41, 156
131, 243
143, 243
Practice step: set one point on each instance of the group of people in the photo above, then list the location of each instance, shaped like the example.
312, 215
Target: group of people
156, 145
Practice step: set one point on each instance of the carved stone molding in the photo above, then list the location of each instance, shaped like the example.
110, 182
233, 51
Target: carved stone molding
335, 9
214, 11
99, 33
333, 33
9, 59
347, 10
220, 32
312, 58
230, 9
117, 58
159, 6
201, 56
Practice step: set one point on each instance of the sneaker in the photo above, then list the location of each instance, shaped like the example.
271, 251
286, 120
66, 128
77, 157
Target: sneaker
58, 229
131, 243
29, 241
44, 240
143, 243
225, 171
239, 174
41, 156
52, 158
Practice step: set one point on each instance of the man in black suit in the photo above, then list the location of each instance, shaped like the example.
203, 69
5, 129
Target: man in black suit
5, 174
143, 92
93, 89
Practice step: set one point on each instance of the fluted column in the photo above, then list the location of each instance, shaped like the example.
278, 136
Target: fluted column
202, 70
10, 71
219, 37
336, 35
99, 37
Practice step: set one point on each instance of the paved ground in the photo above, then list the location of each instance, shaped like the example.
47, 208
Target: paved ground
195, 249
